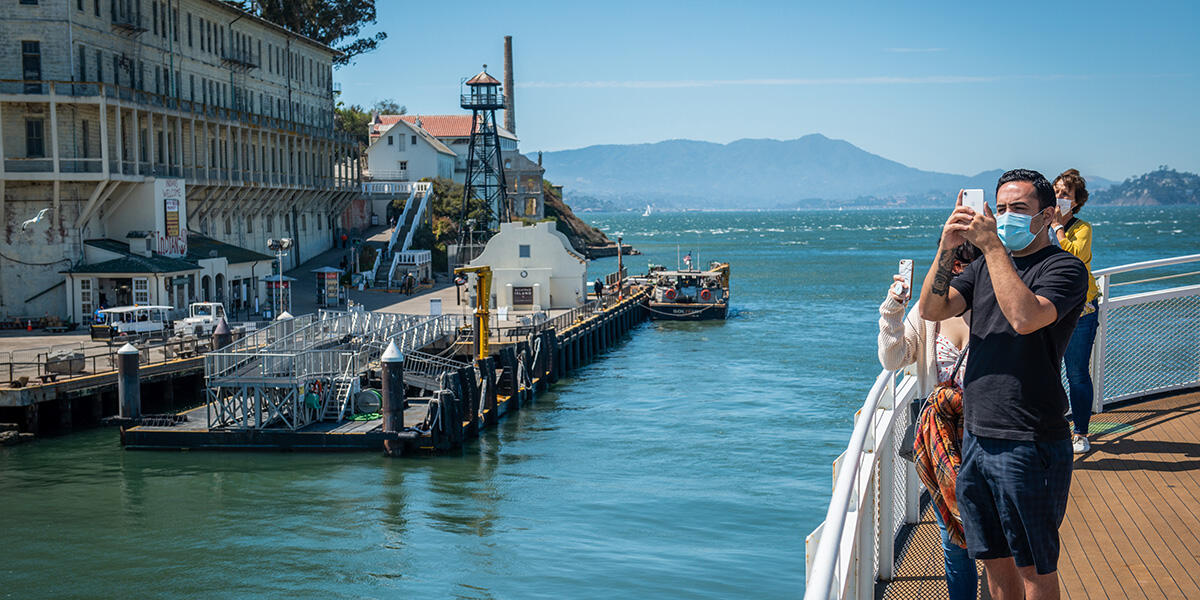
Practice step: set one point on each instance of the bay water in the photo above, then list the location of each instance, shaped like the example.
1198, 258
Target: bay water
688, 462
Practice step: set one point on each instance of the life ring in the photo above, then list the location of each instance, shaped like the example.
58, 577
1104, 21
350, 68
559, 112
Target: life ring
706, 294
669, 294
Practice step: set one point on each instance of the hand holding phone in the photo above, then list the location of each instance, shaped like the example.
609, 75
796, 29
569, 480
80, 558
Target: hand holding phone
974, 200
905, 284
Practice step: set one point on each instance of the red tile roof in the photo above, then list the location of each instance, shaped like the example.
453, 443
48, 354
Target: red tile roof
442, 126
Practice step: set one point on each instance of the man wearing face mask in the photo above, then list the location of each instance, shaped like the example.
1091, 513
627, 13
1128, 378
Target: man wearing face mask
1025, 297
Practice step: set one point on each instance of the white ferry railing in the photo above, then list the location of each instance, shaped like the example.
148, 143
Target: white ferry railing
1146, 343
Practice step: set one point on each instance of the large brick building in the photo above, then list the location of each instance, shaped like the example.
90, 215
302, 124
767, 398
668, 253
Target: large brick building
101, 98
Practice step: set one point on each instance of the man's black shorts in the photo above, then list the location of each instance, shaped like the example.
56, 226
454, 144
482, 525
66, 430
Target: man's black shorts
1012, 496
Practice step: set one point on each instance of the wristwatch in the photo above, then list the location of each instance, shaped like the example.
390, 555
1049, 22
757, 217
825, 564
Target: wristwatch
1056, 228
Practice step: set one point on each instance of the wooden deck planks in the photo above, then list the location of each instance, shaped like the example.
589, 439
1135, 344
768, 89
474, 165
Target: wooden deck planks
1132, 528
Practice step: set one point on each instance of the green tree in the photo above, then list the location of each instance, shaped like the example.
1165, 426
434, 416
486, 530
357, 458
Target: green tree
388, 106
335, 23
354, 121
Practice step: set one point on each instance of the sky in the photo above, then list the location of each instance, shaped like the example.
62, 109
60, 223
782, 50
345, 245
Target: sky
1110, 88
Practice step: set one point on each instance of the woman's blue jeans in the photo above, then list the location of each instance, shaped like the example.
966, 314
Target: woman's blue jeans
1079, 379
962, 580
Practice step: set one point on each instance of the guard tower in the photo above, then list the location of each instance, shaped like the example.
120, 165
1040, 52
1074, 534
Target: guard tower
482, 95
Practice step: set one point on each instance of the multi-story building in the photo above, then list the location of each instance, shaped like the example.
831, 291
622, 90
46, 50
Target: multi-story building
150, 118
523, 176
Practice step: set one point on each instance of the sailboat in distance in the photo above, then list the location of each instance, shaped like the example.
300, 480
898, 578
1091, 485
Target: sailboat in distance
648, 211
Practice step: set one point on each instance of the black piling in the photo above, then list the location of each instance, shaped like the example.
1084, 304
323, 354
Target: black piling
393, 389
129, 385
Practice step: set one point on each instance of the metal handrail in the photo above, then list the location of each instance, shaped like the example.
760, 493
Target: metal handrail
1148, 264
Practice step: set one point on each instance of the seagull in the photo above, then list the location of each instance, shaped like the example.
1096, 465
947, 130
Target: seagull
41, 213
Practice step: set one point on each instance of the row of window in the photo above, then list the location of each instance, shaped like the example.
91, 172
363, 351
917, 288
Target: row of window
211, 91
268, 224
391, 141
213, 38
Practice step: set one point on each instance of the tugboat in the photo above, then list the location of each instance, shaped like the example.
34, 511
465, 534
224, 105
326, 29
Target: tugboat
689, 294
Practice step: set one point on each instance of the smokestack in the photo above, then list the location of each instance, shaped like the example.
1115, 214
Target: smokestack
510, 116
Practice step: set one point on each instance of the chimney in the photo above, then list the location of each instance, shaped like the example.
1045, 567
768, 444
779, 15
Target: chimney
510, 116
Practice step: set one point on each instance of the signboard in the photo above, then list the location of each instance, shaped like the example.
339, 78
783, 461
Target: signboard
522, 295
331, 288
172, 236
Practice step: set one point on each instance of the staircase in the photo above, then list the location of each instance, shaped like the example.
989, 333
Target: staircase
338, 401
402, 235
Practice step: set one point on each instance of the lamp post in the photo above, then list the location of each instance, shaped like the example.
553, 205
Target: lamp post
280, 247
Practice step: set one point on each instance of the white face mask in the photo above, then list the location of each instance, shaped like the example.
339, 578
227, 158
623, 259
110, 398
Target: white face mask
1064, 206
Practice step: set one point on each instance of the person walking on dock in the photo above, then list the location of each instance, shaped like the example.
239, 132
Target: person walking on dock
598, 288
1025, 297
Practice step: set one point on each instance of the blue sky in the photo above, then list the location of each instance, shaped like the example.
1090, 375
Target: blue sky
1110, 88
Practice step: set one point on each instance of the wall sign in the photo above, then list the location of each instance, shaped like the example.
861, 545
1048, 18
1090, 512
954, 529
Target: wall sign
522, 295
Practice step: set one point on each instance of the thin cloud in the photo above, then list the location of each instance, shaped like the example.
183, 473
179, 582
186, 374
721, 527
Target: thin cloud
702, 83
913, 50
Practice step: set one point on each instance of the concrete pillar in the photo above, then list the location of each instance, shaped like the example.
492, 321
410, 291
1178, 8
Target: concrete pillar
393, 389
129, 385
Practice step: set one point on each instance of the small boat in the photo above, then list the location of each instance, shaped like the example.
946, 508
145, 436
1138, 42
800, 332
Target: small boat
689, 294
647, 213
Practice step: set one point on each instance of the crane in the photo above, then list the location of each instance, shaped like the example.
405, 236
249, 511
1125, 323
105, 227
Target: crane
483, 294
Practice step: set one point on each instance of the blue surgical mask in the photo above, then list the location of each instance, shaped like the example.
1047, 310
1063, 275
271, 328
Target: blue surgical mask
1013, 229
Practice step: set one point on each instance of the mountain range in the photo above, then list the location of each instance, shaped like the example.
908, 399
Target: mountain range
812, 171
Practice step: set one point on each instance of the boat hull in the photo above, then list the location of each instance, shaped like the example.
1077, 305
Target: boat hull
673, 311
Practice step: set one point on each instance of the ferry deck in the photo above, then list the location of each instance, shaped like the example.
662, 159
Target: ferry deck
1132, 528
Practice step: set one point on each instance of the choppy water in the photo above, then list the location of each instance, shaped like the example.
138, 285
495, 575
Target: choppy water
690, 462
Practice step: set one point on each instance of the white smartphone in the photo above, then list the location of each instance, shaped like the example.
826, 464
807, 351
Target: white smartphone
906, 272
974, 200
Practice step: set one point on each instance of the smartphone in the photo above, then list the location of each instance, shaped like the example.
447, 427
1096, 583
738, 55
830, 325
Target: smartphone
906, 272
973, 199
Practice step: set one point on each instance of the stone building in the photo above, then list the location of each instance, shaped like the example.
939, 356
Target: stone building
103, 101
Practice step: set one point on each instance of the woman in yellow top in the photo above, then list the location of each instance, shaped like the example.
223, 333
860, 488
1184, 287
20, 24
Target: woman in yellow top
1075, 236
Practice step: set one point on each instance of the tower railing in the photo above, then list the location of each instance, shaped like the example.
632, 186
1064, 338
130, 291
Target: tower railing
1147, 342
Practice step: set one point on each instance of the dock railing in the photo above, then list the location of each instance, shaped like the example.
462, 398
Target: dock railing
1147, 342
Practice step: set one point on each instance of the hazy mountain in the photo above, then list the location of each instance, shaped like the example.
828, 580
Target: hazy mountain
758, 173
1163, 186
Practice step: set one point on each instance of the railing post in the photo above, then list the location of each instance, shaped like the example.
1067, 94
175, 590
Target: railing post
1099, 347
886, 459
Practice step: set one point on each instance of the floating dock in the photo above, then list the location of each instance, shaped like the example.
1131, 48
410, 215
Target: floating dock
295, 385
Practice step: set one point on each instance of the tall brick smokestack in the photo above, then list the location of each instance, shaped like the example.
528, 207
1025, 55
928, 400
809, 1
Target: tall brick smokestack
510, 115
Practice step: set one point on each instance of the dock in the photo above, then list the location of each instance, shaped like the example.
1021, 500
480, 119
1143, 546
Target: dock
256, 388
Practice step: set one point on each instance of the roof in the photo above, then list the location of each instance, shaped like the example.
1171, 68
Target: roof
445, 126
380, 127
483, 78
133, 263
115, 246
202, 247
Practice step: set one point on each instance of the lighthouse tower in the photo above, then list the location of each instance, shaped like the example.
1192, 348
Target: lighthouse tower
483, 96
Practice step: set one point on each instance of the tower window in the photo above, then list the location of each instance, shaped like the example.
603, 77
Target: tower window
391, 142
523, 250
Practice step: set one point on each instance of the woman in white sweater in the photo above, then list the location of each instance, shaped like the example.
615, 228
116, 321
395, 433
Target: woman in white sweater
933, 349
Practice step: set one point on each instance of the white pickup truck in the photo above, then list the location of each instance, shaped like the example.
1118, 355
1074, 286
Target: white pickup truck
202, 318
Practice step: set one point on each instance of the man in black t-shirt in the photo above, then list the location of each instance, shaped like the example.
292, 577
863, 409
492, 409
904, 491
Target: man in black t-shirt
1024, 298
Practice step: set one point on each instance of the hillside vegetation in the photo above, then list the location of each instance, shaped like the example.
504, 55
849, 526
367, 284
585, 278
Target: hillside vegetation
1163, 186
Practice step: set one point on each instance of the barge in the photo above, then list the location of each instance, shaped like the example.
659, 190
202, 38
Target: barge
688, 294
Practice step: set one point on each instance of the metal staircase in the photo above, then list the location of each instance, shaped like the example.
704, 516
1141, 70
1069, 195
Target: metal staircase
338, 402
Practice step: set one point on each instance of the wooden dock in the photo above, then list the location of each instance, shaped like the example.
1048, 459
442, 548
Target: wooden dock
1132, 528
575, 339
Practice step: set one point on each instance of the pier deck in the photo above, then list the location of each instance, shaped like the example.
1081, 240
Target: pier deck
1133, 523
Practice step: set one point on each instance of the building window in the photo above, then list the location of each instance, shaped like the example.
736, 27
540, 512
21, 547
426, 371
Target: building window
403, 165
79, 4
96, 7
414, 140
154, 16
30, 2
87, 142
82, 63
303, 222
391, 142
249, 224
85, 297
99, 66
35, 140
189, 26
531, 206
141, 290
268, 223
523, 250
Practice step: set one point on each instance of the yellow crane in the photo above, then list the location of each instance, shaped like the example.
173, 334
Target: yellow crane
483, 294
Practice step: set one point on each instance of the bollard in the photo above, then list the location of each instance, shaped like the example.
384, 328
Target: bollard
393, 389
221, 335
129, 385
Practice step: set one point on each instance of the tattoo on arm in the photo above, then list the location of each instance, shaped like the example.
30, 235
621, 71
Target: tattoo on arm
941, 279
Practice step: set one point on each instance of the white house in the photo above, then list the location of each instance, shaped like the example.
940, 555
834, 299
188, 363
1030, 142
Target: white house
534, 268
403, 151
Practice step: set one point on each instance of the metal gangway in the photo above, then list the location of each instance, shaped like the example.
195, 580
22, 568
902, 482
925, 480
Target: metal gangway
299, 371
1147, 342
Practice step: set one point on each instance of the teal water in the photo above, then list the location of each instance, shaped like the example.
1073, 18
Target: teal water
689, 462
